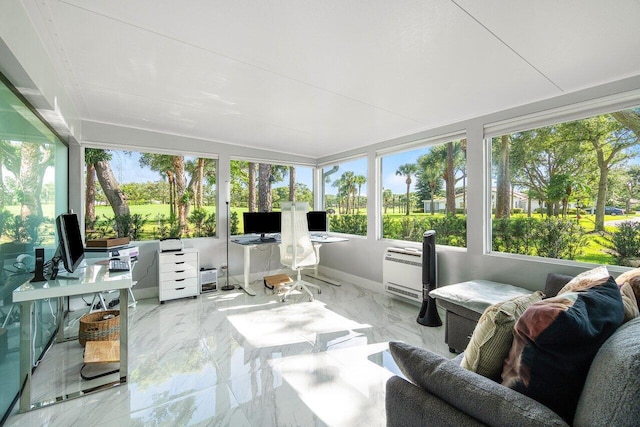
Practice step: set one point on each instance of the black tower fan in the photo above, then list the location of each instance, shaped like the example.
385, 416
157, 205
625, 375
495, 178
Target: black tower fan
428, 312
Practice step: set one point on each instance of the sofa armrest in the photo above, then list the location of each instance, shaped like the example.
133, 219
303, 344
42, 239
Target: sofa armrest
476, 396
408, 405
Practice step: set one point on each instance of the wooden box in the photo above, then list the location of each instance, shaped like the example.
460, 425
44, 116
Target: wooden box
276, 281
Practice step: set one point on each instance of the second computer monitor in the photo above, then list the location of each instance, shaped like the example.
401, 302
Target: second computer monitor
317, 221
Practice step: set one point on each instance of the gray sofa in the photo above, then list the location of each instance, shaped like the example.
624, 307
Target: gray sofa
438, 392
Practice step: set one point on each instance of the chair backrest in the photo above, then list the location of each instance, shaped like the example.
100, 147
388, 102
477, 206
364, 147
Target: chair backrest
296, 249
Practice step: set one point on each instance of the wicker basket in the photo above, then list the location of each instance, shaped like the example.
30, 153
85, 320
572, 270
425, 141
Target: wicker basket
94, 326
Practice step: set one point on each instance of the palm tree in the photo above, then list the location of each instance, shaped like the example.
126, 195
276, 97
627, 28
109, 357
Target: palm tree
100, 161
387, 197
182, 199
252, 187
503, 176
430, 174
292, 183
347, 189
359, 180
407, 170
264, 187
161, 163
91, 156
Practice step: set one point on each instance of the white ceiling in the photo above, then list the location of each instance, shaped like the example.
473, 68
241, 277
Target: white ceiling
320, 77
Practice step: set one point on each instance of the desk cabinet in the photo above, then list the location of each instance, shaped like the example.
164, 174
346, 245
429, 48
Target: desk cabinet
178, 274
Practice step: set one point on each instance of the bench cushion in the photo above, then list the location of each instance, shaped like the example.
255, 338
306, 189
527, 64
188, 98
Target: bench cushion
477, 295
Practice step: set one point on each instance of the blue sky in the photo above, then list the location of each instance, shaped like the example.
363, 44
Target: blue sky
126, 168
390, 164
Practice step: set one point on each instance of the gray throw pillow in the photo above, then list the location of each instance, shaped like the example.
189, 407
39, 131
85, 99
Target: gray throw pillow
473, 394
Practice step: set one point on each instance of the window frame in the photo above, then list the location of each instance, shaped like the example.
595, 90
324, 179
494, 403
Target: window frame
429, 142
322, 197
152, 150
547, 117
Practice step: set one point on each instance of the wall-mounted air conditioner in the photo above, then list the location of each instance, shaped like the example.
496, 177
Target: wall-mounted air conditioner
402, 273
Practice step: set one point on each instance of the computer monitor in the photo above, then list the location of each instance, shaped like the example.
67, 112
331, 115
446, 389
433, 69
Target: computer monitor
261, 223
317, 221
70, 247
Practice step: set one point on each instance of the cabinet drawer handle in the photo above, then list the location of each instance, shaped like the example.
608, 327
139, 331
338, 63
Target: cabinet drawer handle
179, 280
179, 289
180, 271
180, 262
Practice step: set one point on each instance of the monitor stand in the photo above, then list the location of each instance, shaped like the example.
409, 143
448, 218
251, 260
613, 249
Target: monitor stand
264, 238
55, 267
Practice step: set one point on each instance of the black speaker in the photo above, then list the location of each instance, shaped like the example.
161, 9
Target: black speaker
39, 269
428, 312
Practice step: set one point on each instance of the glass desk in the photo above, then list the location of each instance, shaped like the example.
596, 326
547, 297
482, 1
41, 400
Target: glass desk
93, 278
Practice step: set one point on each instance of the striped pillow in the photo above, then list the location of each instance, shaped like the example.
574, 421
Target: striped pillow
492, 337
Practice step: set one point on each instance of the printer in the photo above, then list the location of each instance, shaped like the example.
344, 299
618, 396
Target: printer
171, 244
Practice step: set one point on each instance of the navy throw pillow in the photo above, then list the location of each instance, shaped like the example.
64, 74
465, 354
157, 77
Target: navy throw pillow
555, 341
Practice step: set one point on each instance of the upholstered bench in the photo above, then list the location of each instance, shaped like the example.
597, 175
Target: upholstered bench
464, 304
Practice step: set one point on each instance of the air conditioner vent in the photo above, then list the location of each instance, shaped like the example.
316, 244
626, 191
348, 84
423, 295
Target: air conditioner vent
402, 292
402, 273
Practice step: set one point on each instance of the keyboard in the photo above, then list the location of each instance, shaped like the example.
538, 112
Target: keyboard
116, 265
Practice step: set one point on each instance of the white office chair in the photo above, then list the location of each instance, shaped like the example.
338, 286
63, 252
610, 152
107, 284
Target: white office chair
296, 249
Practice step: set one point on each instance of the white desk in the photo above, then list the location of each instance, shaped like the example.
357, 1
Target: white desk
252, 242
93, 278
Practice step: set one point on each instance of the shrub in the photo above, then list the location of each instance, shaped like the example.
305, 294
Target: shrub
558, 238
233, 223
130, 225
25, 230
167, 227
197, 217
349, 224
390, 228
450, 230
550, 238
209, 226
624, 243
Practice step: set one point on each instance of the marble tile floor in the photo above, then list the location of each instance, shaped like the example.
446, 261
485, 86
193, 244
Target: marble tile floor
229, 359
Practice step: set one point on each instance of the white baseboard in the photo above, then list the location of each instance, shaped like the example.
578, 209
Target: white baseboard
146, 293
341, 276
256, 279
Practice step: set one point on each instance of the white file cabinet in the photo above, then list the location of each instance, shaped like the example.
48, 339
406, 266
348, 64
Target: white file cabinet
178, 274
